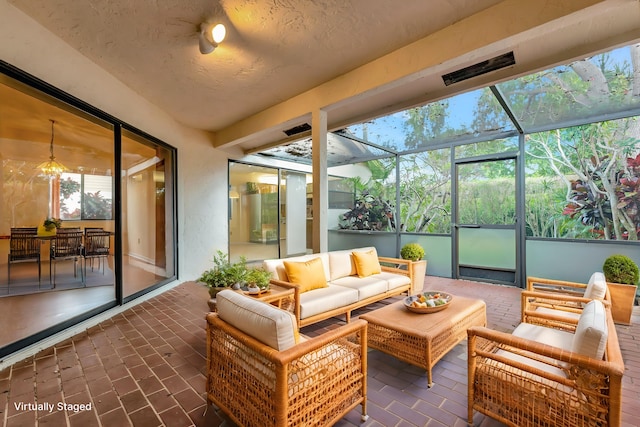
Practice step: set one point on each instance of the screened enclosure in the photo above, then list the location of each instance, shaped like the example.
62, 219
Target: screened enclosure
500, 182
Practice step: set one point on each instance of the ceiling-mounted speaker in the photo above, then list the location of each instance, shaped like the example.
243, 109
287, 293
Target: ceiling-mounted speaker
298, 129
493, 64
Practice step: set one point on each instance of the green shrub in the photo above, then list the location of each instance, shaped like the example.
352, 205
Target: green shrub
258, 277
620, 269
412, 251
225, 274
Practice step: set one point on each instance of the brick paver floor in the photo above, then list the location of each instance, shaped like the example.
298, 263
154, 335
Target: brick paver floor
146, 367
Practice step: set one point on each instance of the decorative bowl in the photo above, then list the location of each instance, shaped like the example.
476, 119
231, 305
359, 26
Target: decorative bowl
418, 303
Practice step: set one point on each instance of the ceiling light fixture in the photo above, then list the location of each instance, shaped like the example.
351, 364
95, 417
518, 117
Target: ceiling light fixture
208, 40
51, 168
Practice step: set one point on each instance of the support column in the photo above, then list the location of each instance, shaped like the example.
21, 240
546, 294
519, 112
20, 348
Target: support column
320, 183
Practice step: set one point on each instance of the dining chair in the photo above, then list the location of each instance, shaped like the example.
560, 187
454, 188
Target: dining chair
68, 230
24, 246
66, 246
96, 246
92, 229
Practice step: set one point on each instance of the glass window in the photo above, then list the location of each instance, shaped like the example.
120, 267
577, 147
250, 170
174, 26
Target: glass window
470, 115
253, 212
425, 192
582, 90
35, 127
343, 147
84, 196
582, 182
486, 147
341, 193
374, 187
148, 195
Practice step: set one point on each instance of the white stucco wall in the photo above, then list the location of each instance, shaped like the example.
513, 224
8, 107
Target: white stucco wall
202, 176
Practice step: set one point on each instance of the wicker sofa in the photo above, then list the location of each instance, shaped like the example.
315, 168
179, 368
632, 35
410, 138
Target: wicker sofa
261, 372
344, 286
567, 373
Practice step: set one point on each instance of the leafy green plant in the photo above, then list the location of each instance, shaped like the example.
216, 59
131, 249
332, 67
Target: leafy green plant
237, 272
51, 223
369, 213
96, 206
224, 274
258, 277
620, 269
412, 251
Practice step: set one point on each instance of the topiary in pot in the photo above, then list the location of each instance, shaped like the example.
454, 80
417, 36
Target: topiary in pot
417, 267
620, 269
412, 251
621, 274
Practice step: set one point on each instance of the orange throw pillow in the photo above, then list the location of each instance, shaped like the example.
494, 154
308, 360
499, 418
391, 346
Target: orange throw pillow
367, 263
308, 274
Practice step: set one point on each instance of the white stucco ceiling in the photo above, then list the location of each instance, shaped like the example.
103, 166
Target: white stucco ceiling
311, 52
274, 49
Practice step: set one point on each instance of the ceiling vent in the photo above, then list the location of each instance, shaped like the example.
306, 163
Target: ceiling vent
502, 61
298, 129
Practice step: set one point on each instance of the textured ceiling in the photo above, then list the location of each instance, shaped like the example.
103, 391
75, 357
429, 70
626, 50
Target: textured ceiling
274, 49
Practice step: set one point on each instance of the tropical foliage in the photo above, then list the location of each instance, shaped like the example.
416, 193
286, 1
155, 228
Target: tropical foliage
580, 181
369, 213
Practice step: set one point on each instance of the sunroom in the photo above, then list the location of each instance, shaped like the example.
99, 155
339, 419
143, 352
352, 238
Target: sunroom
533, 176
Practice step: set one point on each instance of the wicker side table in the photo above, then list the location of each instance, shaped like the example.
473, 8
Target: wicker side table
423, 339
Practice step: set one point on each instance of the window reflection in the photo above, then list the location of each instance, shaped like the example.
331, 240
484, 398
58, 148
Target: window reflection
148, 227
82, 197
85, 196
84, 144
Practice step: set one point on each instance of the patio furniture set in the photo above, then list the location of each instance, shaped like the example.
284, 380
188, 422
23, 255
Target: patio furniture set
560, 366
66, 244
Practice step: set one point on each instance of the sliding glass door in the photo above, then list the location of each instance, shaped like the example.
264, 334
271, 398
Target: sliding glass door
68, 163
148, 226
268, 212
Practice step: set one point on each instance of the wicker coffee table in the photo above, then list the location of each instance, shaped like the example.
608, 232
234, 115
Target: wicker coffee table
423, 339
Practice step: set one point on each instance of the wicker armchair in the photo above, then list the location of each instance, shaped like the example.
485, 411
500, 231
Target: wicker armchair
315, 382
546, 300
524, 382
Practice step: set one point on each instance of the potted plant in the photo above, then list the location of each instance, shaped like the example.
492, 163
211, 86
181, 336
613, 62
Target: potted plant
224, 274
258, 280
49, 227
622, 279
237, 273
418, 266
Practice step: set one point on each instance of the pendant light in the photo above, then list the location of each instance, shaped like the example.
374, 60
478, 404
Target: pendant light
52, 168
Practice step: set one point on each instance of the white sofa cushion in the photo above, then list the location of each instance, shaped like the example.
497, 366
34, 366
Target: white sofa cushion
341, 264
597, 286
394, 280
324, 299
367, 286
590, 338
276, 266
268, 324
544, 335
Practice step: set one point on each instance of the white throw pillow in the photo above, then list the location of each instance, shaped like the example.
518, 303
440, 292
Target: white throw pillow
597, 286
268, 324
590, 338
